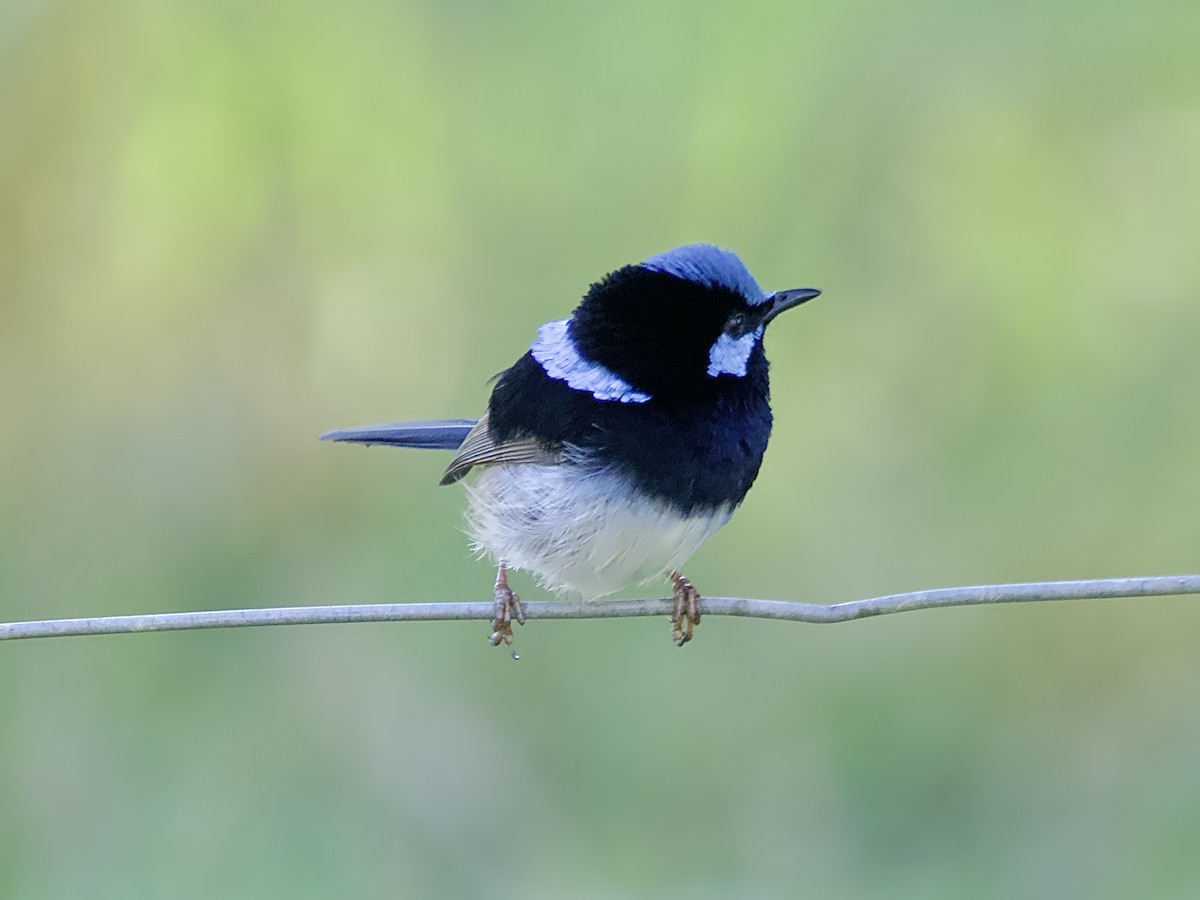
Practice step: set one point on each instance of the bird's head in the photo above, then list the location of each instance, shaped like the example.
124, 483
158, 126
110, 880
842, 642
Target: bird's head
680, 322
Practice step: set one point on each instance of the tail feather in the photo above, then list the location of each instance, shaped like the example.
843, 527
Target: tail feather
438, 434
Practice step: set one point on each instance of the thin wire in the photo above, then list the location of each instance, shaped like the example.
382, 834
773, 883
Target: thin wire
1154, 586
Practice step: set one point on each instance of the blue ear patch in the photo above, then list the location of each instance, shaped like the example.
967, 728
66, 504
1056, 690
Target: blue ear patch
556, 353
730, 355
708, 264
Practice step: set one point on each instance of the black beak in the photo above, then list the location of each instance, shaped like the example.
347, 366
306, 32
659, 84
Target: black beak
781, 301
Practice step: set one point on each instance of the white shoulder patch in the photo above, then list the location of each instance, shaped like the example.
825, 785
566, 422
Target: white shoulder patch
556, 354
730, 355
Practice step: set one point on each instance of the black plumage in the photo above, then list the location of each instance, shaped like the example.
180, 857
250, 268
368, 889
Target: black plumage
692, 453
624, 437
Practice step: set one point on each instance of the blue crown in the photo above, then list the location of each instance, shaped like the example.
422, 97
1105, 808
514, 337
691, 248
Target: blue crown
708, 264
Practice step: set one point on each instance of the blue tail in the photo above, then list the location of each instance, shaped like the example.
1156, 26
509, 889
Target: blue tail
439, 434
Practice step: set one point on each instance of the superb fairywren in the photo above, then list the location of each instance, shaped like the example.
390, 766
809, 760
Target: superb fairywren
624, 437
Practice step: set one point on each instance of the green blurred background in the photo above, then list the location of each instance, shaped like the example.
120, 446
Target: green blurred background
226, 227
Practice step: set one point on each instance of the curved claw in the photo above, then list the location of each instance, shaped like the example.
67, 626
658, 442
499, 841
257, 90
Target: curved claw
685, 610
508, 607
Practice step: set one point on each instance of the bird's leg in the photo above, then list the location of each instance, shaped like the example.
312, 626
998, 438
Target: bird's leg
508, 607
685, 611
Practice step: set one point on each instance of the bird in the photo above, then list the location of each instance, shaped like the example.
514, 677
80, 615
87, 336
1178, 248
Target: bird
624, 437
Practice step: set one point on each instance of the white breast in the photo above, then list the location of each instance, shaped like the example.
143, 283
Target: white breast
580, 531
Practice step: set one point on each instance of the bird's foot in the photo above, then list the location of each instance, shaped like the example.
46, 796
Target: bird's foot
508, 607
685, 611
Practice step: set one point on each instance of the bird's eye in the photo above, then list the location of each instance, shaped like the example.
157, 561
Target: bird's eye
736, 326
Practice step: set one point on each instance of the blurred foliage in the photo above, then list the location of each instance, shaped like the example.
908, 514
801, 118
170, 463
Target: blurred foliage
226, 227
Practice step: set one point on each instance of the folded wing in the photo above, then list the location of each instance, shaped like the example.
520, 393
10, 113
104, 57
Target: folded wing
478, 449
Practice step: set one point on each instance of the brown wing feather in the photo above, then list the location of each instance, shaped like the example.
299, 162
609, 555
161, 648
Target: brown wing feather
478, 449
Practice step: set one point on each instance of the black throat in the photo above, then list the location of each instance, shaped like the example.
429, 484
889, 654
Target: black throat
654, 330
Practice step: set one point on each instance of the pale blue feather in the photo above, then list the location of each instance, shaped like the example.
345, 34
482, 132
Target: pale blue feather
556, 353
710, 265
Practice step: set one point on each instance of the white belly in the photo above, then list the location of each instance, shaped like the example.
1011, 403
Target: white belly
587, 534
